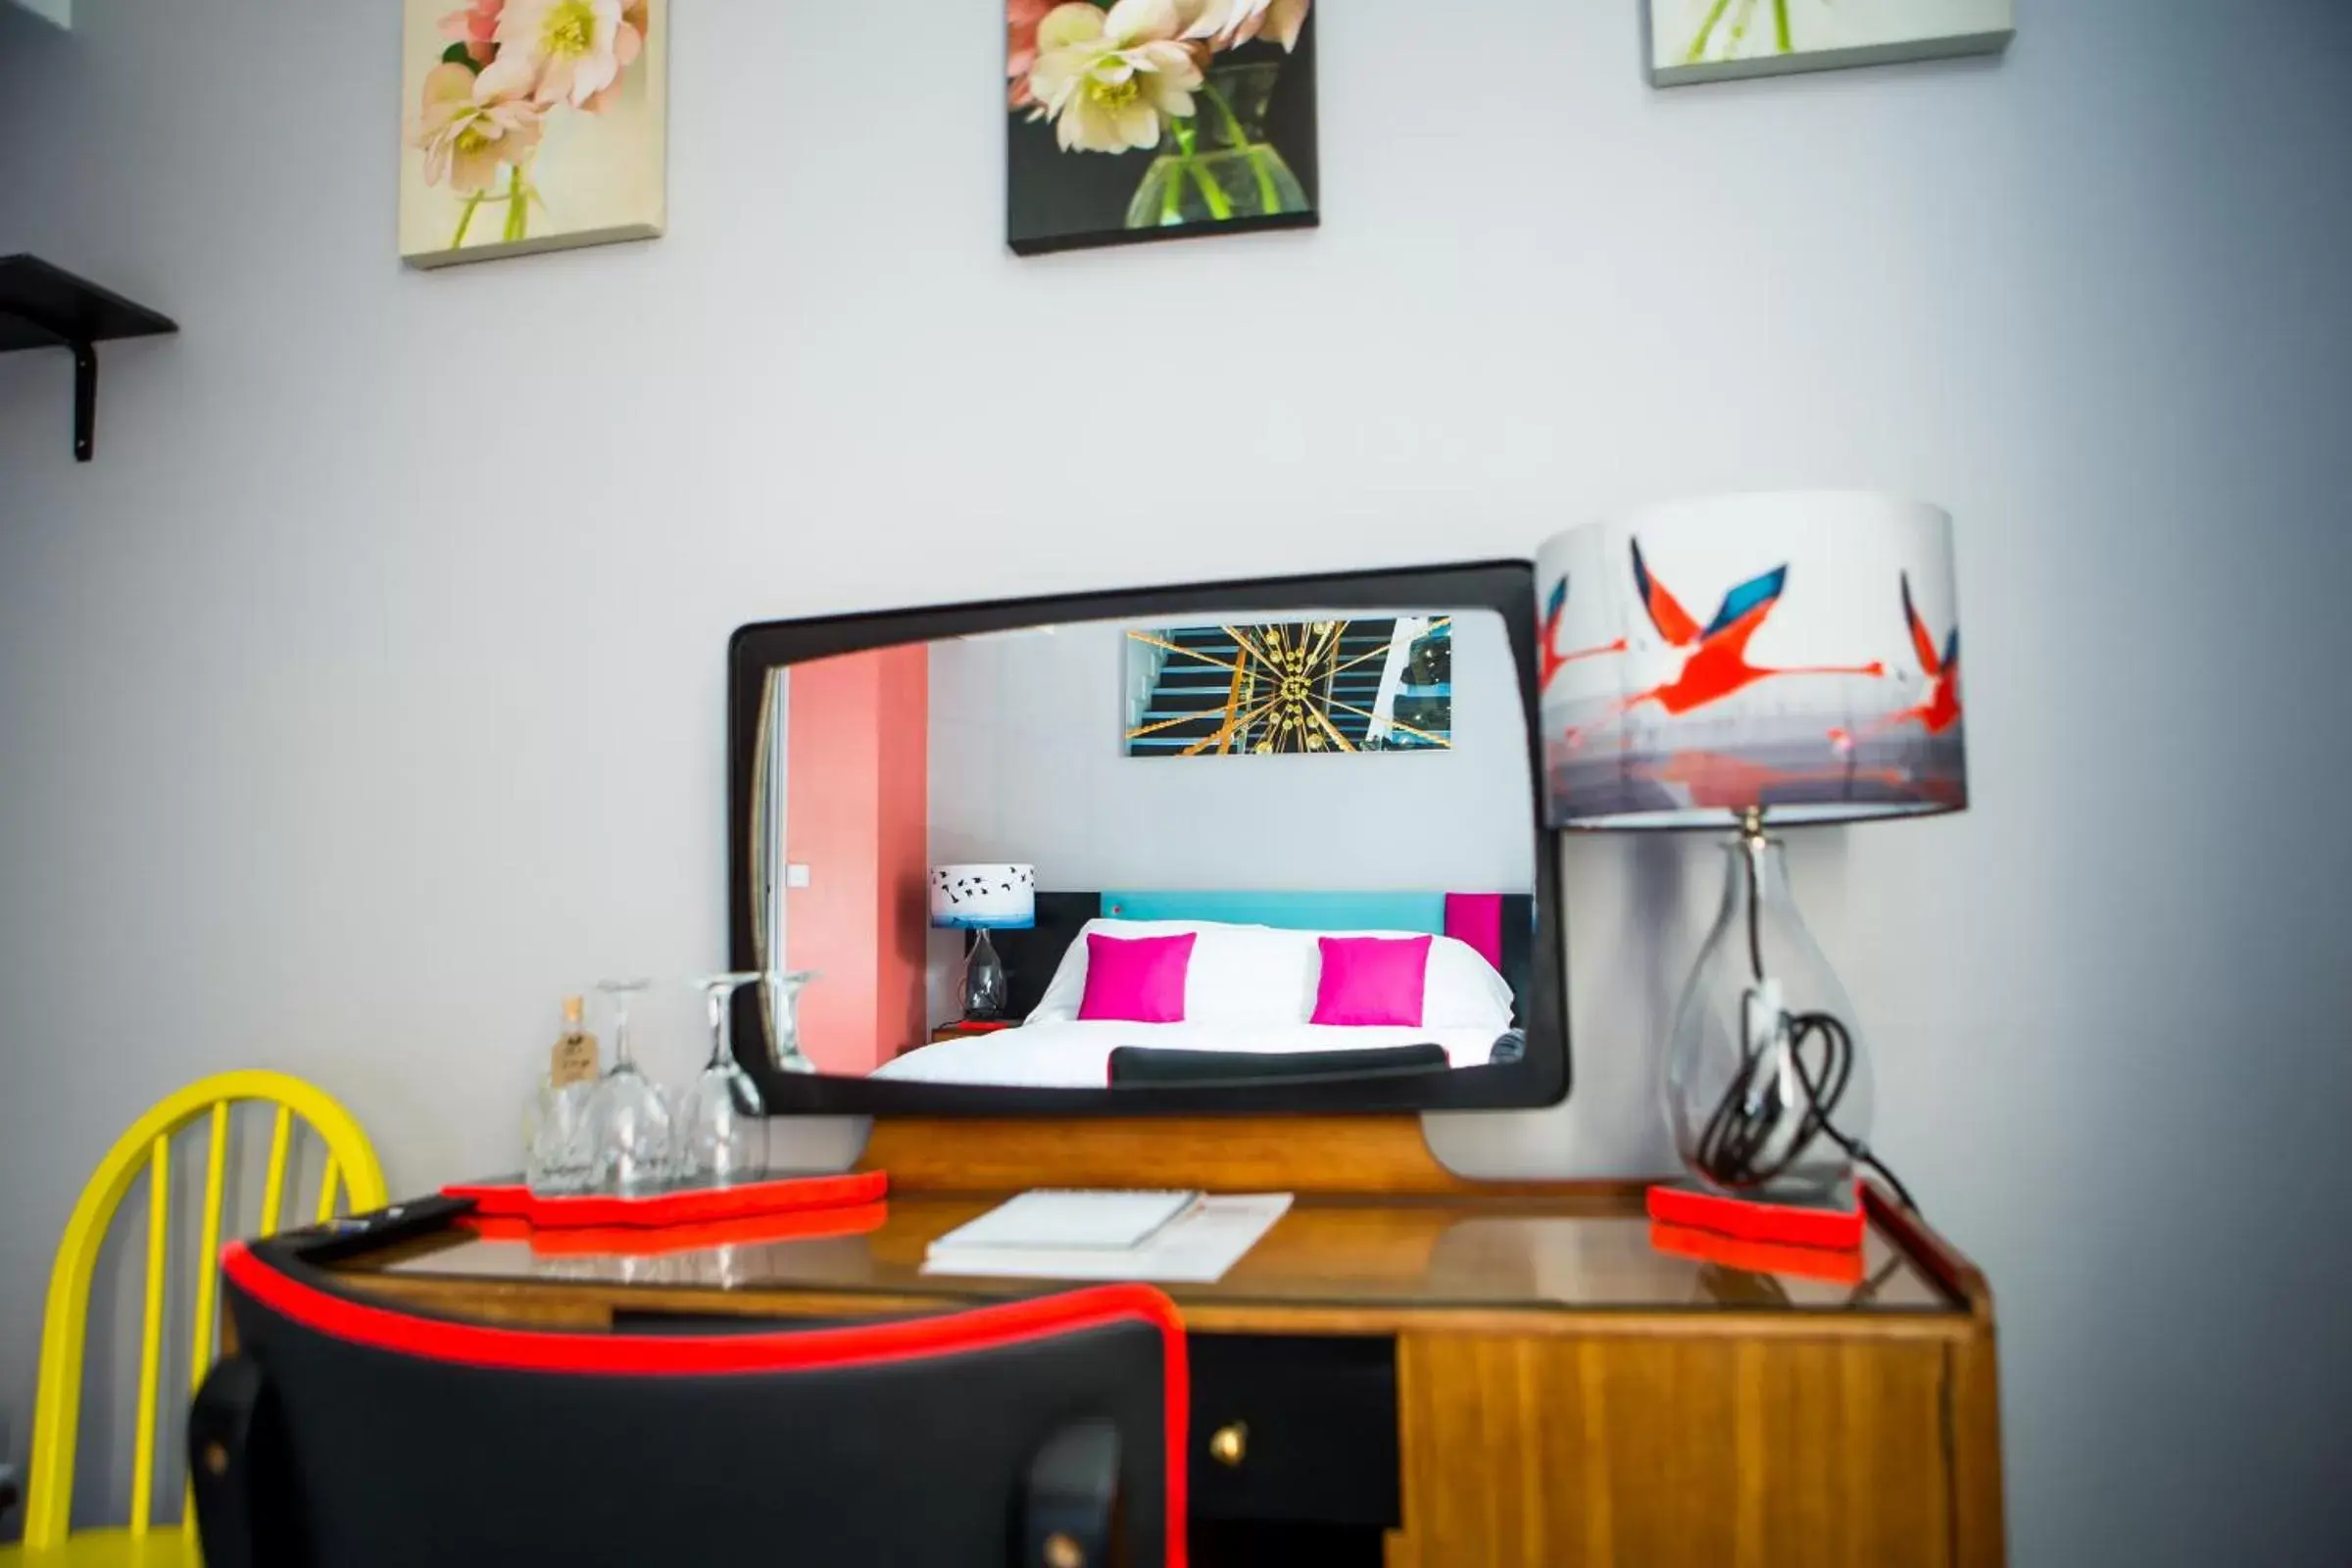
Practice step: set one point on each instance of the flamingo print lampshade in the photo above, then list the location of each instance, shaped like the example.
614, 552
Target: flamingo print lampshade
1797, 653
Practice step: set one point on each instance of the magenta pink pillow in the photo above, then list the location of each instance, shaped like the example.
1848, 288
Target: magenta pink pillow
1136, 979
1372, 980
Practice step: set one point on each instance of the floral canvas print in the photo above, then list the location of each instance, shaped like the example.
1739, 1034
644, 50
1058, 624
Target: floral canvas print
532, 125
1704, 40
1138, 119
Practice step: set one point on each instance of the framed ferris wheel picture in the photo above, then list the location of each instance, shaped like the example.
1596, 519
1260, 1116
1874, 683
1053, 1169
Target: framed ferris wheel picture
1334, 687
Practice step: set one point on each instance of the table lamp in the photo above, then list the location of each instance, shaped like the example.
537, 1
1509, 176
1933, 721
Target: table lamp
982, 898
1754, 660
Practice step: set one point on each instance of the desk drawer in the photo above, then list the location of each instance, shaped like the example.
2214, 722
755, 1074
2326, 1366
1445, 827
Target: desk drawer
1316, 1424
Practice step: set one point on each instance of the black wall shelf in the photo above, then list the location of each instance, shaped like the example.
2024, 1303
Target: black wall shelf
45, 307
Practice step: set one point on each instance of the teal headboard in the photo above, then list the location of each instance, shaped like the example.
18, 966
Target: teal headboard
1287, 911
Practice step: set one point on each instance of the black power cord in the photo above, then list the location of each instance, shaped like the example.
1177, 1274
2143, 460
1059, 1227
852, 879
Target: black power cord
1732, 1148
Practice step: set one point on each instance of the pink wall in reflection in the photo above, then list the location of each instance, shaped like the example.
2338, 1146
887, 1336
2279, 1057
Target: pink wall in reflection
855, 816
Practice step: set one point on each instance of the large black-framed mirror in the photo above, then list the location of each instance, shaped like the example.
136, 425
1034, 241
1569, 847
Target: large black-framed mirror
1262, 846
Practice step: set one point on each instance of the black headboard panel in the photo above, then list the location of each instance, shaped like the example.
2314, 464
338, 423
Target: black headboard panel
1519, 952
1031, 956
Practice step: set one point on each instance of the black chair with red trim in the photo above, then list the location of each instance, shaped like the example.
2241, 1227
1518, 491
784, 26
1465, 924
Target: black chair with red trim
345, 1432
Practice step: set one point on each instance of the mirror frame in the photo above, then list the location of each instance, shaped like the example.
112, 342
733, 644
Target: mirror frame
1541, 1077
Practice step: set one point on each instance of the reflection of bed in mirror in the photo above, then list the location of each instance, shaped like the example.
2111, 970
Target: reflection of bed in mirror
1252, 988
1301, 814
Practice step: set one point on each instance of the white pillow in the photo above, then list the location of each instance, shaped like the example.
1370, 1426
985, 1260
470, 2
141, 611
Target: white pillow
1460, 990
1239, 974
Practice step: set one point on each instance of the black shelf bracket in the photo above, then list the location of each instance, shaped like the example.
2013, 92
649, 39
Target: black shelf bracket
85, 401
45, 307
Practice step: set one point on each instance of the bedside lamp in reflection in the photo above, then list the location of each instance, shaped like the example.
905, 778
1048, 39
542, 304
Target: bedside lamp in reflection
1750, 661
981, 898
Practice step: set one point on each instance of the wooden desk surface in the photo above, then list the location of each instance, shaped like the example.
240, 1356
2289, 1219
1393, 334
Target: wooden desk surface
1525, 1266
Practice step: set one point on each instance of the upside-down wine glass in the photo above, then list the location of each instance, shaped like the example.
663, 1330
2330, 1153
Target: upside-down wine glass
632, 1121
783, 997
722, 1134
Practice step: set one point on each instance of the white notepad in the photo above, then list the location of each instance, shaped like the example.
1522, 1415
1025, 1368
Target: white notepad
1054, 1220
1197, 1248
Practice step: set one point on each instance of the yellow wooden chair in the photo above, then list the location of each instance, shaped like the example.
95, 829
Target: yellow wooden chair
350, 1168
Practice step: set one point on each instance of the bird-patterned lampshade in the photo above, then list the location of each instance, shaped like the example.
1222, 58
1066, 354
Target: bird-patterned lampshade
984, 897
1800, 652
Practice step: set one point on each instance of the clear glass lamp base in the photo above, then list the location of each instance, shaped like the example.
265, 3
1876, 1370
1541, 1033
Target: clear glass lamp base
984, 989
1768, 1090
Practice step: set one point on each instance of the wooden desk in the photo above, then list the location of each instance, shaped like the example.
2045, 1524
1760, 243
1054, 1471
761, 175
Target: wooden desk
1563, 1391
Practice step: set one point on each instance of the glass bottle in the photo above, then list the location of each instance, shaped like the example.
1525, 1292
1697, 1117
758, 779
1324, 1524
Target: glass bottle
559, 1140
1767, 1088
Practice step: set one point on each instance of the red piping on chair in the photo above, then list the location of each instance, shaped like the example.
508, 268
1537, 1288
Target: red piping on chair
983, 1328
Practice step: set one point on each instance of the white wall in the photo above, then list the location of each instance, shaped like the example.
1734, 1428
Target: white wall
366, 693
1027, 765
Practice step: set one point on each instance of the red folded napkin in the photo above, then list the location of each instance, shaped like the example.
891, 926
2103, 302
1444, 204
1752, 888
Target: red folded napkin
697, 1205
1833, 1266
1838, 1226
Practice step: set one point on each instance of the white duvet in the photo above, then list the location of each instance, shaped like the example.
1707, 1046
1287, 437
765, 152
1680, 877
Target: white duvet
1064, 1053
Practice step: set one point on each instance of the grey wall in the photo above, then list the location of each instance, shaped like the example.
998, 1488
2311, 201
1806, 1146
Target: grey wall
366, 693
1027, 765
60, 11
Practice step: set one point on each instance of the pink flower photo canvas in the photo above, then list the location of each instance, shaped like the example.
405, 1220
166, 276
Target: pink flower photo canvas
1143, 120
531, 126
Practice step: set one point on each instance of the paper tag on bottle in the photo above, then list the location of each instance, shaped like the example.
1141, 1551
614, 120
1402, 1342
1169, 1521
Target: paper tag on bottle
572, 1062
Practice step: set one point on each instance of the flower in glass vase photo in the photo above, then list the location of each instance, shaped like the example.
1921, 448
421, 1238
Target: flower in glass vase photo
1138, 119
533, 125
1703, 40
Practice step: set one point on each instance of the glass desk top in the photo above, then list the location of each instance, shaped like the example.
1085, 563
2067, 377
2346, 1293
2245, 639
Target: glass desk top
1517, 1255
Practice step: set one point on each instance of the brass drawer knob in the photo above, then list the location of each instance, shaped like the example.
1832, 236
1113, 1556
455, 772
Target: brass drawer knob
1062, 1551
1229, 1445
